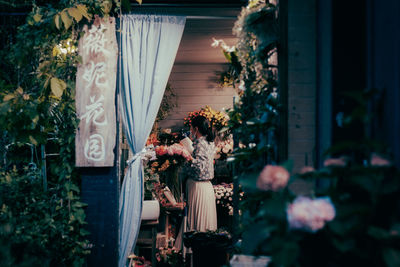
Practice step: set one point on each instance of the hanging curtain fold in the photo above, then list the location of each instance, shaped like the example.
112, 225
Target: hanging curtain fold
149, 44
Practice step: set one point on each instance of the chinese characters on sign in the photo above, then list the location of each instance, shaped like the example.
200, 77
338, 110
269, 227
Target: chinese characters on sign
95, 95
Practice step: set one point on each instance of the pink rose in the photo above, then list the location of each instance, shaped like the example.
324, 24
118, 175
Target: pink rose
177, 149
161, 150
377, 160
335, 162
306, 169
273, 178
170, 151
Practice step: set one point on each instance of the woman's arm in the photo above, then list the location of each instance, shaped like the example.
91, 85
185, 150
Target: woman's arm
199, 167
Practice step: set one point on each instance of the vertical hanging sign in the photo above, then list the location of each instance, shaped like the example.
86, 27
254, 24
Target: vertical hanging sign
95, 95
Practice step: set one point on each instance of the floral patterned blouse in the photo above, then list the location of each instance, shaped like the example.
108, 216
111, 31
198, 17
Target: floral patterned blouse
201, 168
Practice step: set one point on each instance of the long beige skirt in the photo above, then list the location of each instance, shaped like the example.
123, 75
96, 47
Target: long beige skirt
202, 211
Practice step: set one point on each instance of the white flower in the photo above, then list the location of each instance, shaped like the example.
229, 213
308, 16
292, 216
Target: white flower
227, 48
225, 150
241, 87
231, 212
216, 42
252, 145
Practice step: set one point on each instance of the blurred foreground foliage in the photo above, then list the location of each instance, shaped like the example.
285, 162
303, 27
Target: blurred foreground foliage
360, 183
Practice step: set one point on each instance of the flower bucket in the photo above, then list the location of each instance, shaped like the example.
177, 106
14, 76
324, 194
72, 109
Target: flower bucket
209, 249
249, 261
151, 210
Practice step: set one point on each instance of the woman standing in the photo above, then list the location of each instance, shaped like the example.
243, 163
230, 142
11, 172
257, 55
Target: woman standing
202, 212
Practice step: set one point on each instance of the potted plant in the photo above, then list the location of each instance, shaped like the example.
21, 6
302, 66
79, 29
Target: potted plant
151, 205
209, 248
169, 257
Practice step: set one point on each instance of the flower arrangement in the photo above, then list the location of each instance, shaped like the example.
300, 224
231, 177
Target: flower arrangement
168, 157
162, 161
137, 261
167, 164
223, 148
150, 179
223, 195
159, 194
209, 248
218, 119
153, 140
169, 256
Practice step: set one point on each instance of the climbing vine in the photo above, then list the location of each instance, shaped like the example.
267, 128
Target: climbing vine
41, 214
254, 117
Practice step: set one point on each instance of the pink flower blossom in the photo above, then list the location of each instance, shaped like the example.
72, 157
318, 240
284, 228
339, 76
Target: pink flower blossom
273, 178
306, 169
178, 149
377, 160
161, 150
310, 214
335, 162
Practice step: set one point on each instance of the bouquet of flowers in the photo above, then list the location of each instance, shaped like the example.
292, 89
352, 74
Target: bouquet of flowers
153, 139
168, 156
150, 178
159, 193
217, 119
169, 256
168, 161
223, 148
223, 194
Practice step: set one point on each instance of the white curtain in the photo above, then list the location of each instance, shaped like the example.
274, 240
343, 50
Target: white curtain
148, 48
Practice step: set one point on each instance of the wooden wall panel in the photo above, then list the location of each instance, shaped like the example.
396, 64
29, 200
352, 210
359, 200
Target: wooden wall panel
196, 86
197, 69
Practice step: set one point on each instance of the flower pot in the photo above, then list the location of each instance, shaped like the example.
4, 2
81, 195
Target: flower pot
151, 210
211, 256
209, 248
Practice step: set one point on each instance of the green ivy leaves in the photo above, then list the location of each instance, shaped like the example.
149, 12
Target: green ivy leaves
36, 105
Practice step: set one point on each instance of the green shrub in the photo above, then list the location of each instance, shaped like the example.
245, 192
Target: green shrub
37, 227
